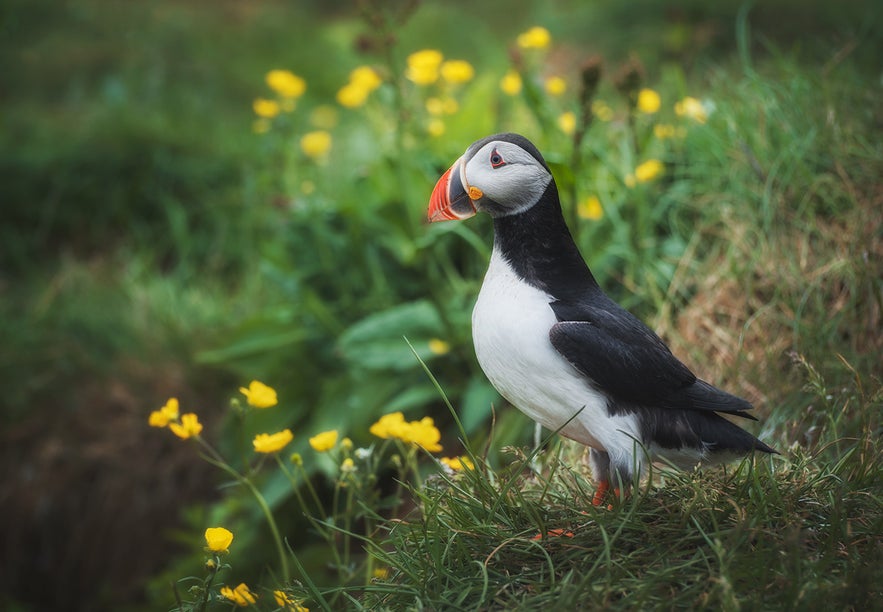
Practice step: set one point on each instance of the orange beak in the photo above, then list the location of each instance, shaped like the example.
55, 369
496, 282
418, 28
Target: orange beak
449, 200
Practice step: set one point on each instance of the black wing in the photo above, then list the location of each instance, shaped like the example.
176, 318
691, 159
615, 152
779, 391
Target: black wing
629, 362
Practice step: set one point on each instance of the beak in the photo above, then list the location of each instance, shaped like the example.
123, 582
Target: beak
450, 201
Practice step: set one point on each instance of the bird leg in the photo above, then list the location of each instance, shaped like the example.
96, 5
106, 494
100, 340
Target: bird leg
601, 493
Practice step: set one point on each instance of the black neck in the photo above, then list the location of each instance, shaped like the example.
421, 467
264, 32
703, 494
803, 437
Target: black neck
541, 250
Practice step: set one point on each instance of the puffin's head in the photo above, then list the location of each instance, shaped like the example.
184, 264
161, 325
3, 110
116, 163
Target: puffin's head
502, 175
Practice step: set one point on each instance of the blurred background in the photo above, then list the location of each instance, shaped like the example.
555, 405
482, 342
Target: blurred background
162, 235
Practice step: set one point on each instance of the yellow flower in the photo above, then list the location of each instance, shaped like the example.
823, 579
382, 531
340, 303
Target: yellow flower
366, 78
218, 539
442, 106
424, 433
324, 441
437, 346
435, 127
286, 83
188, 427
346, 444
457, 71
567, 122
555, 86
271, 443
259, 395
535, 38
316, 144
649, 170
288, 603
388, 425
590, 208
458, 463
363, 80
511, 83
348, 466
380, 573
648, 101
265, 108
423, 66
601, 110
352, 95
663, 131
692, 108
241, 595
165, 415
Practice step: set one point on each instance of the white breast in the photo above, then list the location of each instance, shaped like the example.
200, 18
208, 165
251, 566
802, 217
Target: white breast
510, 330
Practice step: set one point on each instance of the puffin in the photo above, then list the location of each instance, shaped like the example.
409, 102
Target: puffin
556, 347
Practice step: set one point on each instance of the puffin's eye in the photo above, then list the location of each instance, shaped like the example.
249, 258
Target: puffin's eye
497, 159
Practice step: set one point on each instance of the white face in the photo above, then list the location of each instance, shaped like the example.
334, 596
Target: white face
510, 179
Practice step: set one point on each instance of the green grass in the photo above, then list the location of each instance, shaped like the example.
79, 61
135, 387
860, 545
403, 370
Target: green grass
153, 246
790, 532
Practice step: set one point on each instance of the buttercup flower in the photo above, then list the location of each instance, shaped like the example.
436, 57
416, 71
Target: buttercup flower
348, 466
423, 66
165, 415
511, 83
324, 441
457, 71
535, 38
442, 106
648, 171
437, 346
259, 395
366, 78
363, 80
218, 539
286, 83
352, 96
388, 426
316, 144
590, 208
648, 101
425, 434
435, 127
692, 108
458, 463
555, 86
188, 427
567, 122
288, 603
265, 108
241, 595
271, 443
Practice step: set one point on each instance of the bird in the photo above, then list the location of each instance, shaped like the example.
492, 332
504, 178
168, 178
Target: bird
559, 349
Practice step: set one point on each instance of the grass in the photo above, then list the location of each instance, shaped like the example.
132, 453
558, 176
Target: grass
801, 530
153, 246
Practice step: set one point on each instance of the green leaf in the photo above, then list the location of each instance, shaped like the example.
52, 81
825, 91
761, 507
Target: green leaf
377, 343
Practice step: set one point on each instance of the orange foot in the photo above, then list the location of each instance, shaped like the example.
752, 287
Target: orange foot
601, 493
